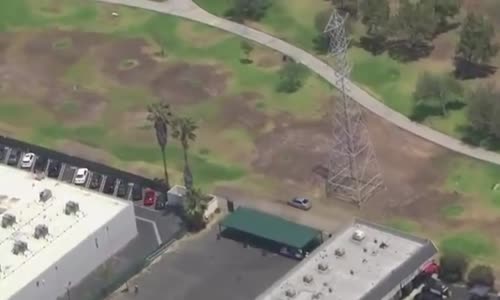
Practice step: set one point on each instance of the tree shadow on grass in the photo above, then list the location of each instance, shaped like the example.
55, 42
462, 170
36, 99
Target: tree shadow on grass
423, 111
374, 45
403, 51
466, 70
479, 138
443, 28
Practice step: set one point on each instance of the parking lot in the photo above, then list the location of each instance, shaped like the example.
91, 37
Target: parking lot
156, 226
203, 267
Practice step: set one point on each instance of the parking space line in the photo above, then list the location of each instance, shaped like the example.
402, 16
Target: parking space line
103, 182
155, 228
89, 179
19, 162
61, 172
6, 159
46, 171
117, 183
74, 174
32, 169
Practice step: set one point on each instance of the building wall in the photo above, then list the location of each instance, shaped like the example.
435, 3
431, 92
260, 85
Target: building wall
83, 259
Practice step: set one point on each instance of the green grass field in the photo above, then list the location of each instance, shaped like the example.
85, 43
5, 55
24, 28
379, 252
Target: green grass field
184, 42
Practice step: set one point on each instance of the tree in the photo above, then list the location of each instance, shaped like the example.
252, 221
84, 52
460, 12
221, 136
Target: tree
446, 9
161, 116
415, 22
292, 75
194, 207
481, 275
452, 267
247, 48
475, 46
482, 102
347, 6
376, 14
248, 10
321, 42
184, 129
437, 90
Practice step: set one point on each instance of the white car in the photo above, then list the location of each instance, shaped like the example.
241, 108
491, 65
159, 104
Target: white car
81, 176
28, 160
301, 203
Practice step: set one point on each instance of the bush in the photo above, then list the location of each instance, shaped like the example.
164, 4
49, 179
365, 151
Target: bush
453, 267
248, 10
481, 275
292, 76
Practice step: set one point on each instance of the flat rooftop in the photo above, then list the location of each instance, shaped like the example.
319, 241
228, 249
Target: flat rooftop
19, 196
347, 269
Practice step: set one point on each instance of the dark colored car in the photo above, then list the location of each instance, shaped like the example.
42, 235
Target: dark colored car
14, 156
161, 201
122, 189
149, 197
95, 182
109, 186
41, 163
54, 169
3, 152
136, 192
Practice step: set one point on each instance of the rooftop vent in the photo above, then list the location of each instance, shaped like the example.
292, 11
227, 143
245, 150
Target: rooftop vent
339, 252
8, 220
290, 293
71, 208
45, 195
358, 235
19, 247
41, 231
307, 278
383, 245
322, 266
317, 296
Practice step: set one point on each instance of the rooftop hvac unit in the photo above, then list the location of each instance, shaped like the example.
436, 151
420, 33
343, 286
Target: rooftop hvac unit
358, 235
307, 278
323, 266
8, 220
19, 247
41, 231
317, 296
339, 252
45, 195
71, 208
290, 293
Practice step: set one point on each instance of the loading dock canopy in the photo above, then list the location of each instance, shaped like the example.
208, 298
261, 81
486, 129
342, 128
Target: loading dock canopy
270, 228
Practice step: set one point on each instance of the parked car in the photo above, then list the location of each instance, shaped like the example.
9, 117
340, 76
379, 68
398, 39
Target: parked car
109, 186
54, 169
136, 192
28, 160
14, 156
81, 176
149, 197
3, 152
95, 182
122, 189
41, 163
301, 203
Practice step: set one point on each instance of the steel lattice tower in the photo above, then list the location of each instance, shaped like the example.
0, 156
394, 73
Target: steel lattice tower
353, 171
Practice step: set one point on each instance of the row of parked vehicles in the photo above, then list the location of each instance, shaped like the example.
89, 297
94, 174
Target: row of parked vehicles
108, 184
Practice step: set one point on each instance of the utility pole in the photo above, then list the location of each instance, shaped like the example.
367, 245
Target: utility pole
353, 171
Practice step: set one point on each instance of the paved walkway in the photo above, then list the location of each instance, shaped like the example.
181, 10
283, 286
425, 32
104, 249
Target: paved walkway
189, 10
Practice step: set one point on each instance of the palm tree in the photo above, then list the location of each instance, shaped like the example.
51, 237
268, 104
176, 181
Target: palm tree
194, 207
161, 116
184, 129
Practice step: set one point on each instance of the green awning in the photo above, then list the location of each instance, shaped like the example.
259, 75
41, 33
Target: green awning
270, 227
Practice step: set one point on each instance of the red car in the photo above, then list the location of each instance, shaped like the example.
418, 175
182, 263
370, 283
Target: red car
149, 198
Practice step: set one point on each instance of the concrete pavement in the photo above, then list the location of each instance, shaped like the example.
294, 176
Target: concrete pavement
187, 9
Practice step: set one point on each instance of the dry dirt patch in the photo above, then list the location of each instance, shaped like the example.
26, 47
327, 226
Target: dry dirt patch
114, 55
240, 111
184, 83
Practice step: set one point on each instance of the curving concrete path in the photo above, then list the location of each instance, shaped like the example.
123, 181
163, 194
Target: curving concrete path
187, 9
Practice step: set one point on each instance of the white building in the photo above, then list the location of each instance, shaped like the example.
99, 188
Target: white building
362, 262
71, 240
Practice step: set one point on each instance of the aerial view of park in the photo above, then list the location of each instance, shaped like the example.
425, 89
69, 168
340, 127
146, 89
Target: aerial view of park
79, 76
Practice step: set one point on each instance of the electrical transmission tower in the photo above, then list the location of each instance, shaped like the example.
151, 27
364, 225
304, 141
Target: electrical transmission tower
353, 172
